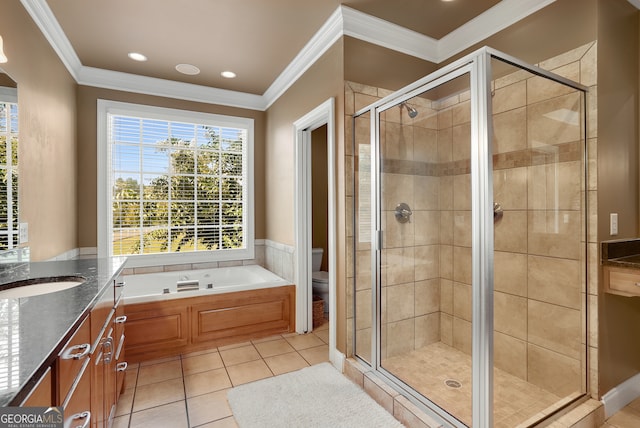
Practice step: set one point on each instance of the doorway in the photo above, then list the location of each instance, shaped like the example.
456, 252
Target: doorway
321, 116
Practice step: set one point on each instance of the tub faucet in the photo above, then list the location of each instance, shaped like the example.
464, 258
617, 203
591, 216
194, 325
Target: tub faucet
187, 285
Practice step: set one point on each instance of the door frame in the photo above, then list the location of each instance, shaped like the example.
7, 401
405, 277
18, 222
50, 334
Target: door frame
324, 114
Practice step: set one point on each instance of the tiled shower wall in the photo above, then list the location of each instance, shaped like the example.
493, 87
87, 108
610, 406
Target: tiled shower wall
539, 243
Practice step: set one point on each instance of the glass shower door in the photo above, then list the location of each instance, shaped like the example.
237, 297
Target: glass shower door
476, 303
539, 294
425, 307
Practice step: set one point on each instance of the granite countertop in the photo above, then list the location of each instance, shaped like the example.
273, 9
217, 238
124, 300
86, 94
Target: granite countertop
621, 253
33, 330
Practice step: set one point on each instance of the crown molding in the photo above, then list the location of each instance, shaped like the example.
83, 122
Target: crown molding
502, 15
344, 21
48, 24
321, 41
386, 34
120, 81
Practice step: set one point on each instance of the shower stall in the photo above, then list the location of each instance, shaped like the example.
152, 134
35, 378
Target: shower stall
470, 241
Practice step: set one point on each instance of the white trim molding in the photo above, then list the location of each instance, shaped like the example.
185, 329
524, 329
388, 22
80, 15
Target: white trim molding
322, 40
383, 33
324, 114
502, 15
343, 22
619, 396
45, 20
167, 88
635, 3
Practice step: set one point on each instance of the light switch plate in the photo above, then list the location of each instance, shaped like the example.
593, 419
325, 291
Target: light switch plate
24, 232
613, 223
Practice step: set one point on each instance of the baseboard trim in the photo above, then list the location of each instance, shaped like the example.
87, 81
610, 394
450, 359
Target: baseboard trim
621, 395
337, 359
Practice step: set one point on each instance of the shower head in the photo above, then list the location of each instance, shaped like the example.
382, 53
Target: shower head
410, 110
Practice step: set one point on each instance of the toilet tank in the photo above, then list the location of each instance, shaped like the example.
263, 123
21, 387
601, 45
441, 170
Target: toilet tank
316, 259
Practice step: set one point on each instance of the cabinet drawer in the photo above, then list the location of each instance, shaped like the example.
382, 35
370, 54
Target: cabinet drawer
78, 403
71, 359
625, 282
40, 395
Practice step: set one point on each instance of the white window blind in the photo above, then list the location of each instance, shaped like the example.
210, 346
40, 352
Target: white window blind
177, 186
8, 175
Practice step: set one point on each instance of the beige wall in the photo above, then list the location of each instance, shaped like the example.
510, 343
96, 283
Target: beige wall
87, 152
47, 148
618, 190
321, 81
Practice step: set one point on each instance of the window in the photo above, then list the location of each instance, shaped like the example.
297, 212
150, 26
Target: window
8, 170
177, 185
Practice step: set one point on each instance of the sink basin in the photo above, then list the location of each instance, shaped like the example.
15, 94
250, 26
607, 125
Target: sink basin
38, 286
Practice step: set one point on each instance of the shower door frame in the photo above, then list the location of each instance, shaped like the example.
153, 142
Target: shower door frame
478, 66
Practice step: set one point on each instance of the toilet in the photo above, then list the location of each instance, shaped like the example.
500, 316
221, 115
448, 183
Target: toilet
319, 279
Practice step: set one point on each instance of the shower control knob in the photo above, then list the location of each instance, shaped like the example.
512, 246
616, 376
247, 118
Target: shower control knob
497, 212
403, 212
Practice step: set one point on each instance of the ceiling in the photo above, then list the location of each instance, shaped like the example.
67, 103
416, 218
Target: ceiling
256, 39
267, 43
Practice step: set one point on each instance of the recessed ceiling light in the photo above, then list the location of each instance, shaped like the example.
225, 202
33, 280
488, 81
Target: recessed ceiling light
189, 69
136, 56
228, 74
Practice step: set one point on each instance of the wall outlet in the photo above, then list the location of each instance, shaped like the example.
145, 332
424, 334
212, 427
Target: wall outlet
23, 232
613, 224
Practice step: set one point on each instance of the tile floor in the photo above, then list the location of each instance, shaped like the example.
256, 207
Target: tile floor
191, 390
628, 417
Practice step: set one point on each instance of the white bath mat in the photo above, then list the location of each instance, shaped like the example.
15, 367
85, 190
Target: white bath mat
316, 396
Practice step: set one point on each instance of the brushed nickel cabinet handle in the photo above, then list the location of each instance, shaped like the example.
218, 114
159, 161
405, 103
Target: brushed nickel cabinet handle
120, 367
86, 415
72, 354
107, 349
121, 320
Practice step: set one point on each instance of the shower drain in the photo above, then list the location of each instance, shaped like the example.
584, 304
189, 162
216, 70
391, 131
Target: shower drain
452, 383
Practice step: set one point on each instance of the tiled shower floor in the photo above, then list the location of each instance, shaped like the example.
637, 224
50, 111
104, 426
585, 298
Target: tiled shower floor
426, 370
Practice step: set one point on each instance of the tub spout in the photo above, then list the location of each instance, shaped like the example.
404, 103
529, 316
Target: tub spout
192, 284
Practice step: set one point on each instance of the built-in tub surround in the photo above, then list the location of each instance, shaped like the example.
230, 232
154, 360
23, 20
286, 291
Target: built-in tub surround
279, 259
259, 259
173, 313
181, 284
427, 278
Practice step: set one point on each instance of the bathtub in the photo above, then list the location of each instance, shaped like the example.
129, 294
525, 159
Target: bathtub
181, 284
173, 313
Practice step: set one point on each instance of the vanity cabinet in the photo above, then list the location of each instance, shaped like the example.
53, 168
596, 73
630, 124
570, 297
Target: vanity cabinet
72, 361
622, 281
42, 394
57, 337
107, 359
